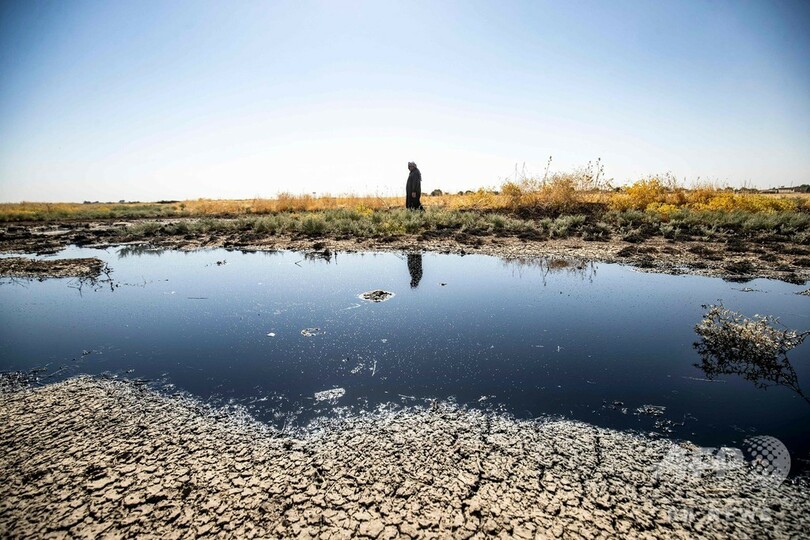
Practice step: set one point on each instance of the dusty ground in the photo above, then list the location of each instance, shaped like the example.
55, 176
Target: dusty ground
93, 458
731, 259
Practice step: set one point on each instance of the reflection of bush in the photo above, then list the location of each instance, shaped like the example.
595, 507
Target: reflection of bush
551, 265
732, 344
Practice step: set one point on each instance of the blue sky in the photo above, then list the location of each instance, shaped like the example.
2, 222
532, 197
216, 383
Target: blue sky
143, 100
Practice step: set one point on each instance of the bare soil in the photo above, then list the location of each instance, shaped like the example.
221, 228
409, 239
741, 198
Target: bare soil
731, 258
93, 458
24, 267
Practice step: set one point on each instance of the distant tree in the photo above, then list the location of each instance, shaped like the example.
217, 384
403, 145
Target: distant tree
436, 193
804, 188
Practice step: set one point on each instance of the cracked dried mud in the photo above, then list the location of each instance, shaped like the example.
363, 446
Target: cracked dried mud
94, 458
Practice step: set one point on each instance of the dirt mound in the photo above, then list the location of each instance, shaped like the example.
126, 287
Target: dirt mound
24, 267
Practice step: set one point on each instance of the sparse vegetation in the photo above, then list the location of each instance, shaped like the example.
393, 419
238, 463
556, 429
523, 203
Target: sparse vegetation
555, 205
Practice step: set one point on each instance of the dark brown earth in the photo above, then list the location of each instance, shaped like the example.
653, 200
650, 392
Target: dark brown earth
90, 458
24, 267
730, 258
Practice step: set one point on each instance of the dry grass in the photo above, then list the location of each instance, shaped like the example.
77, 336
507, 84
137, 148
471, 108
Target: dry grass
553, 194
26, 211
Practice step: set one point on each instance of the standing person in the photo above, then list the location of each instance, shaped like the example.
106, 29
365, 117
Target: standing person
413, 188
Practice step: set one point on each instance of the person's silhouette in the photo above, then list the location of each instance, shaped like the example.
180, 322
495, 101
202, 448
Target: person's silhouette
415, 268
413, 188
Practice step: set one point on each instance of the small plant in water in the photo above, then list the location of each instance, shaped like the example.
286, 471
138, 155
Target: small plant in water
754, 348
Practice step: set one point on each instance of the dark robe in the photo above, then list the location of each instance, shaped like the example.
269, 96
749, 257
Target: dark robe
414, 185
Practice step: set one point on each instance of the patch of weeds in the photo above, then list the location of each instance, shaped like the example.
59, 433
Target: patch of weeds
265, 225
668, 231
313, 225
564, 226
498, 222
139, 230
179, 228
634, 236
629, 218
802, 238
675, 231
596, 232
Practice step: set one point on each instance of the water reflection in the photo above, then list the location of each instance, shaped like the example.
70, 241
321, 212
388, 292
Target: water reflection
731, 344
415, 268
323, 255
140, 249
553, 265
777, 372
94, 283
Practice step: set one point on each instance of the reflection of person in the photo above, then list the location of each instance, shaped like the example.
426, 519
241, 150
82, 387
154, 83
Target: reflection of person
413, 188
415, 268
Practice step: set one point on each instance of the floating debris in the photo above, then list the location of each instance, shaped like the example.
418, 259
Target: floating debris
805, 292
667, 426
308, 332
377, 295
651, 410
272, 334
615, 405
701, 379
330, 395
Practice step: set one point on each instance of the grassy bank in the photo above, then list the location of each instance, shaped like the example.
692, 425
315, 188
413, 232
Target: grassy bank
551, 196
602, 225
556, 206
